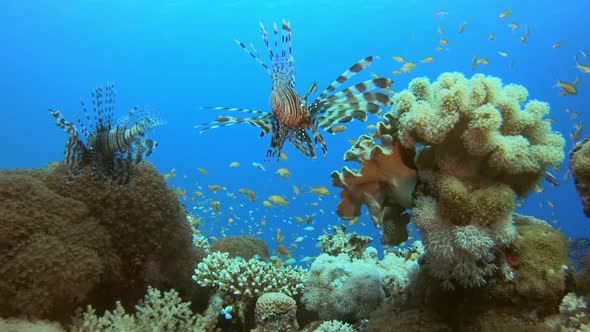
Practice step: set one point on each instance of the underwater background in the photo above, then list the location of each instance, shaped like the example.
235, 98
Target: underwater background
178, 56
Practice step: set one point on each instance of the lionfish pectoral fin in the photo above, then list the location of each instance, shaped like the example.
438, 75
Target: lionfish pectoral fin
263, 121
353, 70
302, 142
317, 137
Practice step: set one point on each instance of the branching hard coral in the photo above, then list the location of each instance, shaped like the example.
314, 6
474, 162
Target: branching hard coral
352, 244
276, 312
334, 326
252, 278
580, 165
241, 282
158, 312
478, 146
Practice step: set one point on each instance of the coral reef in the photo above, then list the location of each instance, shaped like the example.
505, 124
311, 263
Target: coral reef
573, 315
275, 312
476, 146
158, 312
384, 184
243, 246
513, 299
240, 282
69, 244
333, 326
580, 165
339, 287
340, 242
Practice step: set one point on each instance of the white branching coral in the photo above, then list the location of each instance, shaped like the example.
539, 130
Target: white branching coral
252, 278
573, 315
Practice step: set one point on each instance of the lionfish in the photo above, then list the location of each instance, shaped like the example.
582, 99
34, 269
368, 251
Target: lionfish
291, 114
111, 149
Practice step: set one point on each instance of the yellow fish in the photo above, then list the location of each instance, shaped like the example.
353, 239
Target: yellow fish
295, 190
396, 72
198, 193
314, 203
483, 61
283, 155
202, 171
353, 221
371, 126
440, 30
299, 219
505, 13
214, 187
322, 211
583, 68
321, 190
428, 59
439, 48
492, 36
234, 164
474, 63
568, 88
408, 67
502, 53
180, 192
462, 27
278, 199
280, 238
171, 173
263, 223
267, 204
337, 129
398, 58
283, 172
248, 192
513, 26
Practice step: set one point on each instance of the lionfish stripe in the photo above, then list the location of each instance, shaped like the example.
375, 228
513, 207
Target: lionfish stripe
371, 97
318, 139
261, 122
256, 57
361, 88
339, 115
242, 110
355, 69
265, 39
301, 141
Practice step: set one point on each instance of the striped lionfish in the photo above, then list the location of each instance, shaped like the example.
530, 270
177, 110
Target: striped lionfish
291, 115
110, 149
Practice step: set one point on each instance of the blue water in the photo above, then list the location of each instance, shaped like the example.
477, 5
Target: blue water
176, 56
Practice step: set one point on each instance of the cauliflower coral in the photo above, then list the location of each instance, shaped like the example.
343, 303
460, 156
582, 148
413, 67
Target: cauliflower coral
465, 149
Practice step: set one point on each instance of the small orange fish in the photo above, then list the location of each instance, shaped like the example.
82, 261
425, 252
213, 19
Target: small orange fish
215, 206
505, 13
214, 187
250, 193
336, 129
283, 251
280, 238
308, 219
462, 27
